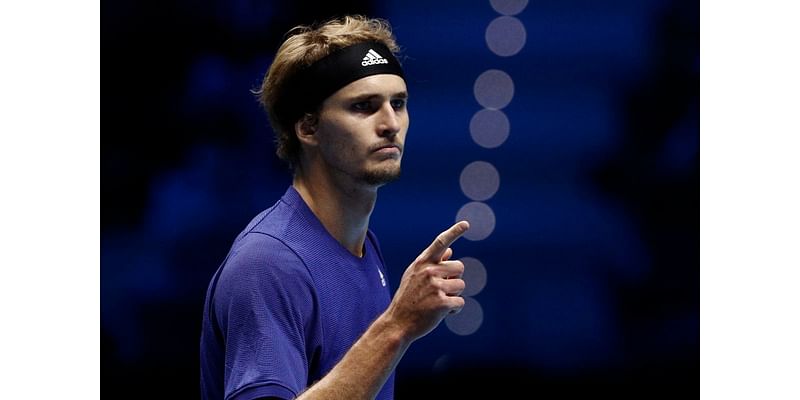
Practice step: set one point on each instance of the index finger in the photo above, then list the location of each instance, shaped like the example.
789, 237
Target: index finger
436, 250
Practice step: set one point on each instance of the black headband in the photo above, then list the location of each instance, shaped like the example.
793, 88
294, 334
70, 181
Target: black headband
304, 91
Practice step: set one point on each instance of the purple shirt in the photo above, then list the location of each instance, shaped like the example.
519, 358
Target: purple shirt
286, 305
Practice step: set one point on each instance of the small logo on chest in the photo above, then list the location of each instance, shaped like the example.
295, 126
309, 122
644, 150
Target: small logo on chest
383, 280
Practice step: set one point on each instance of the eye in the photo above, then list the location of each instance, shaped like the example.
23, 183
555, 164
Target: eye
398, 104
362, 106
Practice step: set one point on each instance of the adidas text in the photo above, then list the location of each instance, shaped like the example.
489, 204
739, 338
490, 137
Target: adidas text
372, 57
373, 62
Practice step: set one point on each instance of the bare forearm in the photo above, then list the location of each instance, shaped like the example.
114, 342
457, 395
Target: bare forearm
429, 289
365, 368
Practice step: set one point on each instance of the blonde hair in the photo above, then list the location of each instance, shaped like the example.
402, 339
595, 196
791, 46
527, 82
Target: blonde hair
304, 46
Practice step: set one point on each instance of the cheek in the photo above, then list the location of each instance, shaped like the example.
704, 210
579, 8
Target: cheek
346, 138
406, 123
341, 144
332, 134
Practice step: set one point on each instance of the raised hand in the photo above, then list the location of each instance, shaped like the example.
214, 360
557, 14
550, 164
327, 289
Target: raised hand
430, 287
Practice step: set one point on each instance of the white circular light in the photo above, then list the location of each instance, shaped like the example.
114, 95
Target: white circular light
481, 220
509, 7
505, 36
494, 89
468, 320
479, 180
474, 276
489, 128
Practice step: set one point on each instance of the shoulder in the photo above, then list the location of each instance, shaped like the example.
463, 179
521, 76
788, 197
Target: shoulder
261, 246
259, 259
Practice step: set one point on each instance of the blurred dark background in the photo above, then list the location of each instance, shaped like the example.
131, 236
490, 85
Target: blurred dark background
592, 264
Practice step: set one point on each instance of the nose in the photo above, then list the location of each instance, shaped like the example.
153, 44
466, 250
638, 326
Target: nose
389, 122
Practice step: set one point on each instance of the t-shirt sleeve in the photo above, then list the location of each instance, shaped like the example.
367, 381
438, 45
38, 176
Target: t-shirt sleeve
265, 306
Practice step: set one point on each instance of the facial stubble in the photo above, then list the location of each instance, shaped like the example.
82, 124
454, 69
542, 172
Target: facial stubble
381, 176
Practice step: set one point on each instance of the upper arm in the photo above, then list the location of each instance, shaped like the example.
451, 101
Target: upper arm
265, 305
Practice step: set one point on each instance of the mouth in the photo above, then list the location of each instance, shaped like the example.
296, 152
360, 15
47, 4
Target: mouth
388, 149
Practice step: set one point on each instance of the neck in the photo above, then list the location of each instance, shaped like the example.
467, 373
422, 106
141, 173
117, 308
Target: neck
342, 207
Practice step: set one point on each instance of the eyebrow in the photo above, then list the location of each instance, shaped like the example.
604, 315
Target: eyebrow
369, 96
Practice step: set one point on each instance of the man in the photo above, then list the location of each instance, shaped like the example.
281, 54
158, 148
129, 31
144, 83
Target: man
300, 307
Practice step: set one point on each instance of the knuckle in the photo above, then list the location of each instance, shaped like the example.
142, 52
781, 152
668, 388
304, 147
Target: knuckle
460, 267
459, 301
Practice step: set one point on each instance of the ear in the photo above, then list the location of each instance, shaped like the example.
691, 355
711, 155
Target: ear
306, 128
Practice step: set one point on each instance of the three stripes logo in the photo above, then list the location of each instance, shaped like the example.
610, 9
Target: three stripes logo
373, 58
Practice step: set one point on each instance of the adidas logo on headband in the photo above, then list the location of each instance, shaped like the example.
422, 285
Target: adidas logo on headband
373, 58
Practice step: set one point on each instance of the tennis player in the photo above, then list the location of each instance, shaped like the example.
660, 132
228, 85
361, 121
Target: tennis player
301, 307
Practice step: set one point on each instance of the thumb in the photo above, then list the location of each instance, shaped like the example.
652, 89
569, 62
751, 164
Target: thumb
447, 254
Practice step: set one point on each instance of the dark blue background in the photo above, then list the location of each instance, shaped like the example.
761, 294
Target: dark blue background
593, 266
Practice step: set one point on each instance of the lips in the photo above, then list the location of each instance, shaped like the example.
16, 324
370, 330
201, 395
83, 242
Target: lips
388, 148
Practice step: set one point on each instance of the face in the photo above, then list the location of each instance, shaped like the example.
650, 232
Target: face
362, 128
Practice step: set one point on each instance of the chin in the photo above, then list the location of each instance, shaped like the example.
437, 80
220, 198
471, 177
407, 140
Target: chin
379, 177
